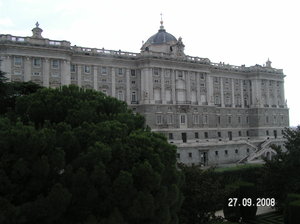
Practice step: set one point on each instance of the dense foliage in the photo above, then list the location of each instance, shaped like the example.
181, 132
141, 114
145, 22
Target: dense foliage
78, 156
281, 174
202, 195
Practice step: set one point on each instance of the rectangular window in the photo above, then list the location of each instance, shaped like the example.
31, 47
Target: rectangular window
229, 120
155, 71
236, 151
247, 120
219, 119
248, 150
133, 97
190, 155
247, 133
55, 63
267, 133
17, 61
120, 95
267, 119
36, 73
196, 135
158, 119
239, 120
103, 70
120, 71
87, 69
205, 134
178, 155
169, 119
216, 153
36, 62
104, 91
205, 119
133, 82
73, 68
182, 119
132, 72
240, 133
219, 134
170, 136
226, 152
196, 118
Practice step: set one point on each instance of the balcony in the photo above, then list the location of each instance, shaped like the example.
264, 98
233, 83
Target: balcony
183, 102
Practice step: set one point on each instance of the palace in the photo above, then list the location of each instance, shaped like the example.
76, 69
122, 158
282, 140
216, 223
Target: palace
214, 113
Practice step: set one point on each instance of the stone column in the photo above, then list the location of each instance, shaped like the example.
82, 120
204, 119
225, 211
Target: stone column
275, 94
65, 73
198, 88
46, 72
27, 69
173, 76
146, 87
95, 86
150, 85
79, 81
188, 87
232, 93
242, 94
128, 86
209, 90
6, 66
222, 92
282, 93
268, 92
163, 93
113, 82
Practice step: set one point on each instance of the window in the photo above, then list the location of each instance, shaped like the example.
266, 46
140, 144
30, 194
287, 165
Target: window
17, 61
240, 133
219, 134
155, 71
120, 95
120, 71
133, 82
36, 62
73, 68
226, 152
87, 69
267, 119
247, 120
216, 153
196, 135
36, 73
196, 118
132, 72
156, 81
182, 119
180, 75
178, 155
170, 135
103, 70
158, 119
133, 97
169, 119
104, 91
219, 119
202, 76
205, 119
190, 155
229, 120
236, 151
247, 133
267, 133
205, 134
239, 120
55, 63
248, 150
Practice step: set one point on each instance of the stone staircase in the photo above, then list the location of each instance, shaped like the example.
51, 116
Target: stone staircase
260, 150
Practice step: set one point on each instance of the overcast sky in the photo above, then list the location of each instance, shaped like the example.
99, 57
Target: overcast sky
232, 31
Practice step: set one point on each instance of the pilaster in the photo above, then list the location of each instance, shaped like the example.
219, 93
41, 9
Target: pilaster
222, 92
128, 86
65, 73
95, 78
27, 69
46, 72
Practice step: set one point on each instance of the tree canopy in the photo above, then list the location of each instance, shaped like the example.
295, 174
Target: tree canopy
78, 156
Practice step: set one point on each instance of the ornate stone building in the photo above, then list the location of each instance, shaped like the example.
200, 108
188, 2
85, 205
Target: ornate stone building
215, 113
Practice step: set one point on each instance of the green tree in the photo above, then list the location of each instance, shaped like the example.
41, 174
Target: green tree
202, 195
79, 156
281, 174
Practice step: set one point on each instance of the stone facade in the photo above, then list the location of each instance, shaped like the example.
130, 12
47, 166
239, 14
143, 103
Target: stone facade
214, 113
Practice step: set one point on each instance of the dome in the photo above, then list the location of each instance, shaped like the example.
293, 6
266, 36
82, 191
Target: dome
161, 37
